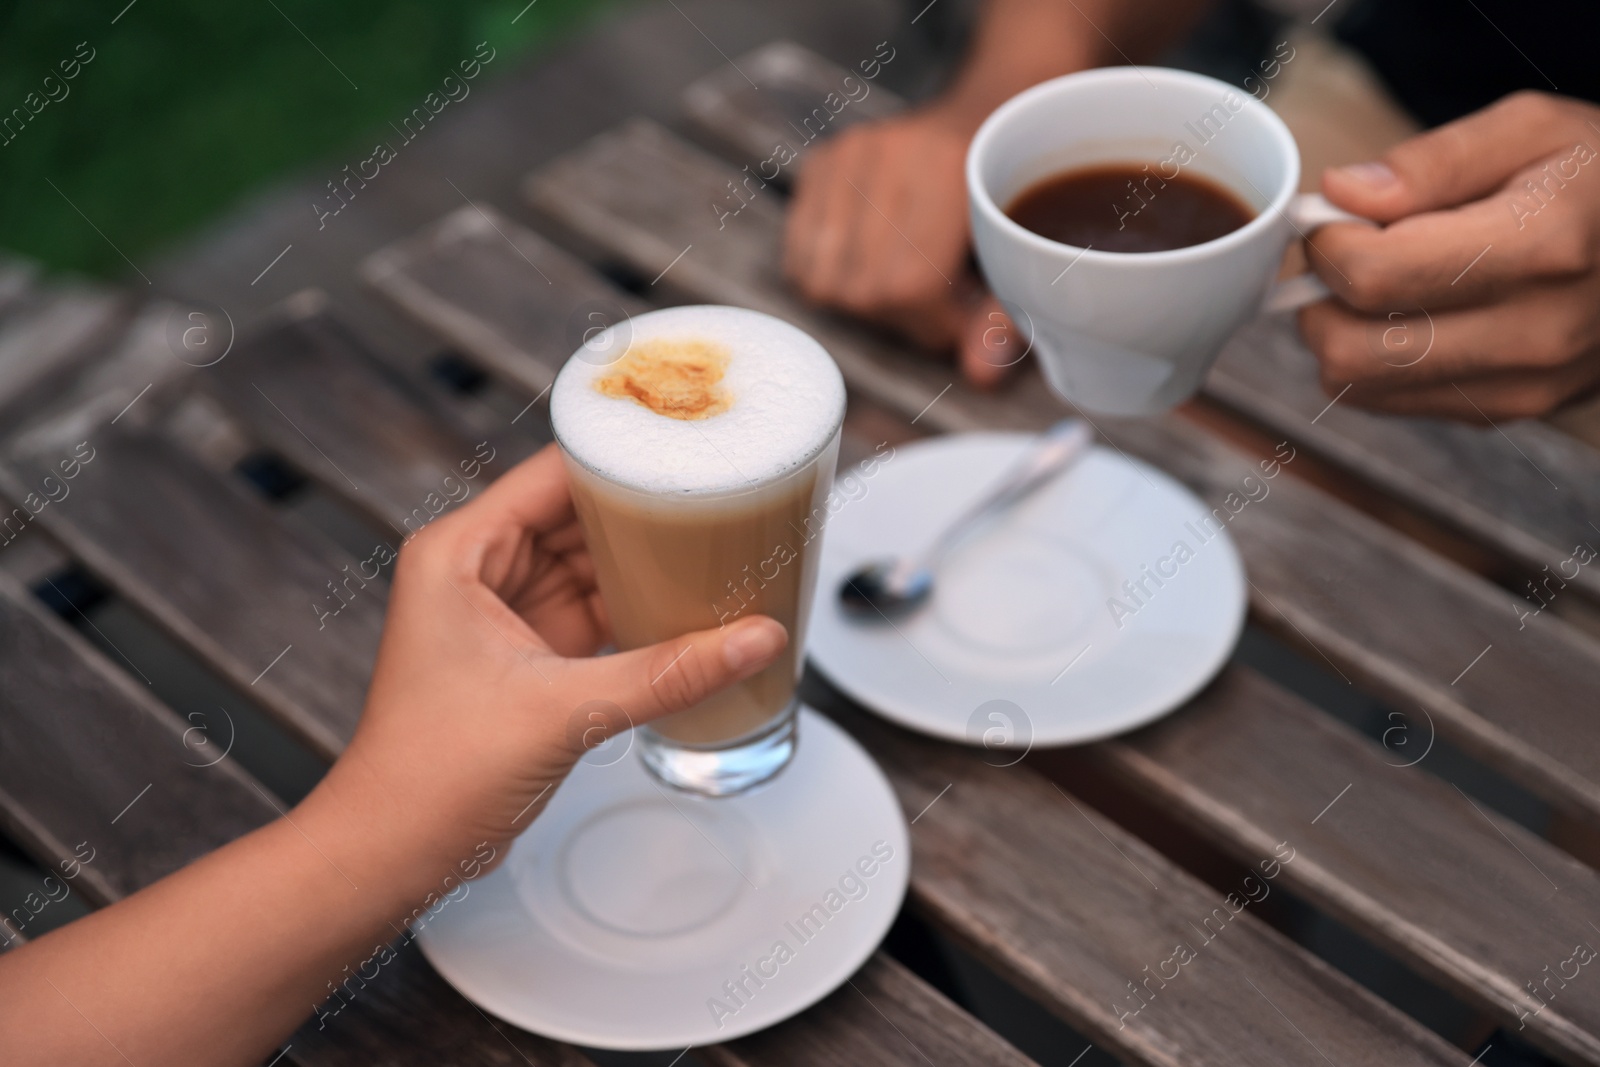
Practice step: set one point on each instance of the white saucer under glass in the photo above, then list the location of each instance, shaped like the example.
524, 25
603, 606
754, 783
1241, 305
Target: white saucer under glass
633, 916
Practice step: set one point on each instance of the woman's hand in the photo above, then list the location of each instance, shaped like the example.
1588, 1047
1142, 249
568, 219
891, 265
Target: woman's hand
486, 691
1479, 297
479, 707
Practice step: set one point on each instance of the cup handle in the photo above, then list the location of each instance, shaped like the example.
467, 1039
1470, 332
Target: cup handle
1307, 212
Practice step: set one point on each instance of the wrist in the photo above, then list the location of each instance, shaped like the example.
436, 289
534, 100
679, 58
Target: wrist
1007, 60
964, 106
393, 852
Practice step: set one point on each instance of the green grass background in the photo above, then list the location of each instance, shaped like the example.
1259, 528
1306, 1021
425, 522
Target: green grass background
188, 105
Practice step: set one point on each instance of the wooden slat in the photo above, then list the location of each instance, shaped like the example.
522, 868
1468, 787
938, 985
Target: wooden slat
79, 741
17, 278
308, 372
794, 83
414, 1018
127, 384
1461, 894
31, 556
167, 534
475, 253
47, 335
1377, 607
1062, 952
1524, 489
1071, 908
885, 1016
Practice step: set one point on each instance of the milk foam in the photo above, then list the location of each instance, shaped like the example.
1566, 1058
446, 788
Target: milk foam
787, 401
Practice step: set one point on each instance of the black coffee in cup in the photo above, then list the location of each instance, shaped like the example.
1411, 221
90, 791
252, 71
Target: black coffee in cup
1129, 207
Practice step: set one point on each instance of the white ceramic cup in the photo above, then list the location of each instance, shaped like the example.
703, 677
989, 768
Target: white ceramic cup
1133, 333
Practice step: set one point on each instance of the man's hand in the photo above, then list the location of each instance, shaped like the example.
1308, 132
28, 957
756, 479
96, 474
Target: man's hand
1479, 297
878, 228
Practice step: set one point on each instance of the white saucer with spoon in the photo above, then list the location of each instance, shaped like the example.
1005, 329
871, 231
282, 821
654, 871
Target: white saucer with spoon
1097, 602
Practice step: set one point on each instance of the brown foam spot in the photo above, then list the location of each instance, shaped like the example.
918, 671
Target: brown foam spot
680, 378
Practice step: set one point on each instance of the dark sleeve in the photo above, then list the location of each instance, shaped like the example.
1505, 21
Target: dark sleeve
1446, 58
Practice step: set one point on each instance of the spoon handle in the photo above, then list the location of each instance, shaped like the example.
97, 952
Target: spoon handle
1056, 449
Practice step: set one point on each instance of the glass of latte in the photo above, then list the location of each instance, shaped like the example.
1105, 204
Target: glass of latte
700, 443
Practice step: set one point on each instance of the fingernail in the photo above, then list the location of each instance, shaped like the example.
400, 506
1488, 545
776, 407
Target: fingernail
755, 642
1373, 175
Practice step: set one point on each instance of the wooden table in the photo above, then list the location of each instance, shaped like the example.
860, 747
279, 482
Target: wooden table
1022, 866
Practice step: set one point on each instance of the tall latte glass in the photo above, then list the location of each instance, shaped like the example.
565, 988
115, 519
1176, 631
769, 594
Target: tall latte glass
700, 443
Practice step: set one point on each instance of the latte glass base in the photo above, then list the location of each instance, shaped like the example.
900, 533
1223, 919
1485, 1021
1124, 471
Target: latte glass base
725, 770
